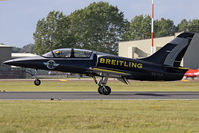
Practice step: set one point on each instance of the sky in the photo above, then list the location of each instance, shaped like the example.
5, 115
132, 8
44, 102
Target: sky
18, 18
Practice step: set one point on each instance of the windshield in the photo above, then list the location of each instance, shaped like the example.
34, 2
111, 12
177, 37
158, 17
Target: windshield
69, 53
49, 54
82, 53
62, 53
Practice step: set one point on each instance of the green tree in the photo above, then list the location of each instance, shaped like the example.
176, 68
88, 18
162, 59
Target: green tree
164, 27
193, 26
183, 26
53, 32
16, 50
139, 28
29, 48
98, 27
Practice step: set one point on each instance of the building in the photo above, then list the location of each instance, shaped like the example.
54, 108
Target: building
142, 48
5, 54
22, 55
5, 70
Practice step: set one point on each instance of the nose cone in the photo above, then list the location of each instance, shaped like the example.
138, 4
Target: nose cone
25, 62
10, 62
16, 62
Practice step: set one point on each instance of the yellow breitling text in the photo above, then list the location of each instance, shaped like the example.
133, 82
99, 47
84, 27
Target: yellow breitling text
120, 63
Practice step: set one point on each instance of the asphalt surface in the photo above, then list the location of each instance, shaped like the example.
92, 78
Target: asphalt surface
96, 96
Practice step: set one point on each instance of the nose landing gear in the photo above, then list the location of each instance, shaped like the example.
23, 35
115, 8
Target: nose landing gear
37, 82
103, 89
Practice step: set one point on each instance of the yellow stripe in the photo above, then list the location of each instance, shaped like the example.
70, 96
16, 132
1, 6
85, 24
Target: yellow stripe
105, 70
182, 68
63, 80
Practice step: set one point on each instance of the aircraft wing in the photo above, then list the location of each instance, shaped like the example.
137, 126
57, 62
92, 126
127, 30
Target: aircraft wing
111, 72
120, 75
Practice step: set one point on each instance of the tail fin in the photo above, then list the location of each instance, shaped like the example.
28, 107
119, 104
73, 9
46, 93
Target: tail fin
172, 53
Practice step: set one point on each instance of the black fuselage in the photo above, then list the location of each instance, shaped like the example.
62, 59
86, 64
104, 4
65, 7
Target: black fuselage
163, 65
130, 68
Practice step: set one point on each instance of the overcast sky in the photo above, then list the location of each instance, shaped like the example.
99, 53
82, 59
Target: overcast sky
18, 18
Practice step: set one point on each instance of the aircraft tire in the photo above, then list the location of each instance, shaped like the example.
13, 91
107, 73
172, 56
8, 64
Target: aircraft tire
100, 90
37, 82
106, 90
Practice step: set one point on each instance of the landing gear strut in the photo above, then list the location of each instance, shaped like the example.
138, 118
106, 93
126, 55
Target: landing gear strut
37, 82
103, 89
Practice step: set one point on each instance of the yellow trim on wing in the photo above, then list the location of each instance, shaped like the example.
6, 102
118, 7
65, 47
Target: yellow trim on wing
182, 68
111, 71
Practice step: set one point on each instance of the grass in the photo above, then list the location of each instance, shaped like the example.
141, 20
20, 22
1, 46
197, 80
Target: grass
99, 116
154, 116
89, 85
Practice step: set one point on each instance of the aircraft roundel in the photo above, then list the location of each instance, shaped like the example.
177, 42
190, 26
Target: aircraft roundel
51, 64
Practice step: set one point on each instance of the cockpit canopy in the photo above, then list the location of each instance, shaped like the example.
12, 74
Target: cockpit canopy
68, 53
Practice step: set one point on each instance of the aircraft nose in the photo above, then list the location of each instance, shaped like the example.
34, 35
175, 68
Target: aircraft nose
9, 62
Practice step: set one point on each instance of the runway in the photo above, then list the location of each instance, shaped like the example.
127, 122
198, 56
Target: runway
95, 96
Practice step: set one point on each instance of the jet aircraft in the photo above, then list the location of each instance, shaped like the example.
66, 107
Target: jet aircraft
164, 65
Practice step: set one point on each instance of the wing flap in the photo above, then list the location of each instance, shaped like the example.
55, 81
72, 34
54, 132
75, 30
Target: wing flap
110, 72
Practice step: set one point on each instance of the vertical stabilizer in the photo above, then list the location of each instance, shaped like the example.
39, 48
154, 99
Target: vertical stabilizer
172, 53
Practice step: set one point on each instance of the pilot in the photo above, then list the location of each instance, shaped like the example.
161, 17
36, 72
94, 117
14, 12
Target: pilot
57, 53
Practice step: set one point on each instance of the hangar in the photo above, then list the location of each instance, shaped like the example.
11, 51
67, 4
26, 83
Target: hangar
142, 48
5, 70
5, 54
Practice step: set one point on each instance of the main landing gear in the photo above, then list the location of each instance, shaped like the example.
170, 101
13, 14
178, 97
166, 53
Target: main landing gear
37, 82
103, 89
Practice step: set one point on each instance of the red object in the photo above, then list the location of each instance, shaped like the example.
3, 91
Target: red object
152, 10
191, 73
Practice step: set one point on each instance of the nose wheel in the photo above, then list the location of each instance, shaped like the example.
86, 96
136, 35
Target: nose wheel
37, 82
